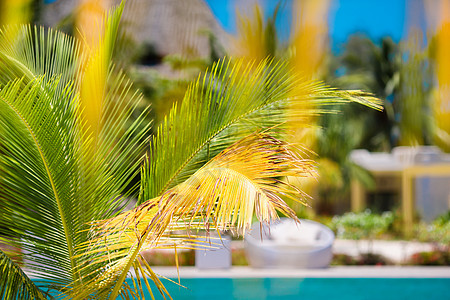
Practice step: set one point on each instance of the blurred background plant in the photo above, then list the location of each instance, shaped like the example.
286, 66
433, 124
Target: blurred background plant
438, 232
365, 225
366, 65
358, 226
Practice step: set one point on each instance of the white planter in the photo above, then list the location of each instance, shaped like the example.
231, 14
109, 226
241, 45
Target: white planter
216, 253
289, 245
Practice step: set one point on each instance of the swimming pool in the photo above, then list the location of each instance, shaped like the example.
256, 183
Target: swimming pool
308, 288
334, 283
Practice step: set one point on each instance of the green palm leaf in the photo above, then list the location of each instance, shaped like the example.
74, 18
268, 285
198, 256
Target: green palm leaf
55, 175
35, 52
14, 284
32, 160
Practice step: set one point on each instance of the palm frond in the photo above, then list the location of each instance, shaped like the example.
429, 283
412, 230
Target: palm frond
249, 172
234, 99
37, 158
14, 283
256, 36
442, 94
114, 142
93, 71
36, 51
51, 184
224, 194
308, 41
231, 101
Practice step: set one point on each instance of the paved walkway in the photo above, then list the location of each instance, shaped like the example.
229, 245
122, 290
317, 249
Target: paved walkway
332, 272
396, 251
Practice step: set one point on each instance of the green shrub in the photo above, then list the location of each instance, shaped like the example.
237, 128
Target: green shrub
437, 232
365, 225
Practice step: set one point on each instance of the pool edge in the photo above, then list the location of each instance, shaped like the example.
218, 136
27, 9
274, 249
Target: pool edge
332, 272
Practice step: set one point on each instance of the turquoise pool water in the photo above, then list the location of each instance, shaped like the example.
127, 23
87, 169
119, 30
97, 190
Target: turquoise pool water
309, 288
306, 289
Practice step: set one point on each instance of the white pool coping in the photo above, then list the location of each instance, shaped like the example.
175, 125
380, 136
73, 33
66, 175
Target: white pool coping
332, 272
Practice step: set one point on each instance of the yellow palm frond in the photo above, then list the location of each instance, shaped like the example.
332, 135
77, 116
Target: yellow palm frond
307, 52
254, 37
203, 174
97, 37
15, 11
441, 107
309, 39
243, 180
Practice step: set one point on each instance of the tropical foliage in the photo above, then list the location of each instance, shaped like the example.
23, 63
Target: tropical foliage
57, 173
436, 232
336, 138
376, 68
70, 146
362, 225
398, 73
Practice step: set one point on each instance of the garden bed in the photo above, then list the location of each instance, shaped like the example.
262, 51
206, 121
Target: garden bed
346, 252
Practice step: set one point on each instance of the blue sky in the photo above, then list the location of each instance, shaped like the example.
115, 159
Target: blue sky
374, 18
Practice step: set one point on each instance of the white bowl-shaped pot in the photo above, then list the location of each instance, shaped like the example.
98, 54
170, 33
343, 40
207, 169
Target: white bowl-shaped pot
287, 244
